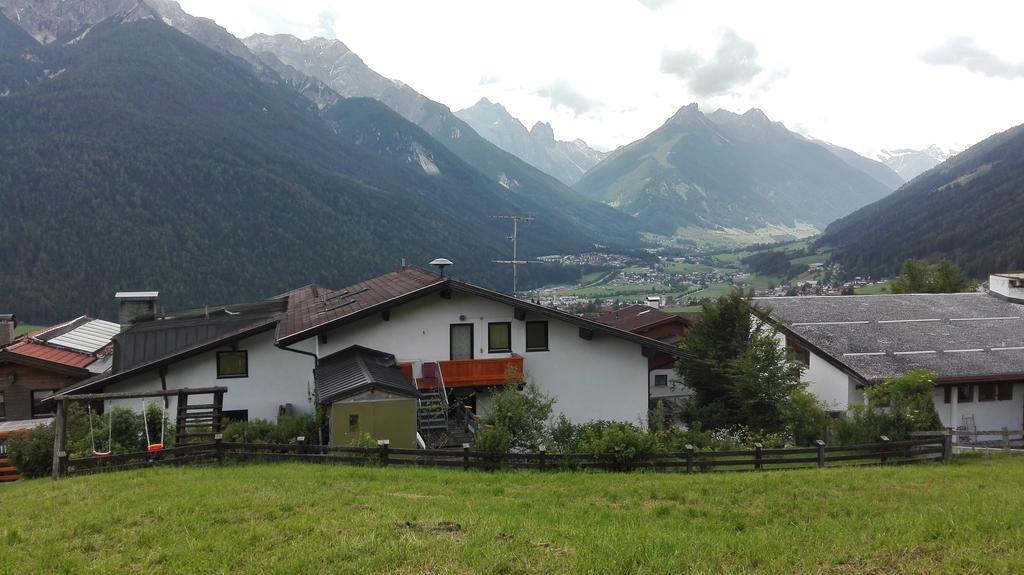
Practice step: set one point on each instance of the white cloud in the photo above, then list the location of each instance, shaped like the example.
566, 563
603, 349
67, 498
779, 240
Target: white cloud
965, 53
562, 94
733, 65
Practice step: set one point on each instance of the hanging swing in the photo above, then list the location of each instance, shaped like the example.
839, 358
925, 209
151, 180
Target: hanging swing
145, 423
110, 434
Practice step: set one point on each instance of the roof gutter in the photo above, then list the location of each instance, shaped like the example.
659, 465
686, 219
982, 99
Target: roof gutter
316, 358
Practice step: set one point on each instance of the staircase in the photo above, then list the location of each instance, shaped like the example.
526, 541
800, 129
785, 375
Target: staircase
432, 412
7, 471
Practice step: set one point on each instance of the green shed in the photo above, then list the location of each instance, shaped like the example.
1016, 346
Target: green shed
364, 391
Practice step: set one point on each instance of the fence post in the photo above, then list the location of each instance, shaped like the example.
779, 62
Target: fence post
821, 452
689, 458
947, 444
59, 438
218, 440
758, 456
543, 456
465, 456
383, 445
1006, 438
884, 449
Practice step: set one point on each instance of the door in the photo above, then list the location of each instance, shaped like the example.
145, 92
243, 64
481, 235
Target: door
462, 340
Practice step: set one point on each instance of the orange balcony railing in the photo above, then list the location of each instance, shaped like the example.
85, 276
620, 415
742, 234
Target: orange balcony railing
475, 372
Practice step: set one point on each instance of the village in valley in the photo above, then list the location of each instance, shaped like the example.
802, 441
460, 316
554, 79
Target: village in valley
265, 308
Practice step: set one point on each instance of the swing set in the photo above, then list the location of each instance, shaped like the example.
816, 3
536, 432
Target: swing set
189, 417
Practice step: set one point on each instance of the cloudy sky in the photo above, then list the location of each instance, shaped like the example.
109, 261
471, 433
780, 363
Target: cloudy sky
866, 75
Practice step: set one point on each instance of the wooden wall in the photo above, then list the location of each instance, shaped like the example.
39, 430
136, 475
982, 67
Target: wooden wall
18, 395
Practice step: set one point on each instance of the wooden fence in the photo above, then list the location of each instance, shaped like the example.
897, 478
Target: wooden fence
688, 461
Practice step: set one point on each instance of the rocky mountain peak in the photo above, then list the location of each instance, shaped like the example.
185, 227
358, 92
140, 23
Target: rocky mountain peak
544, 132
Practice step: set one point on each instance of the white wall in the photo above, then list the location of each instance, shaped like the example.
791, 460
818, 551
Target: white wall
988, 415
675, 387
604, 378
276, 377
829, 384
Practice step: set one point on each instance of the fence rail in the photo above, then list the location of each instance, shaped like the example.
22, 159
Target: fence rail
690, 460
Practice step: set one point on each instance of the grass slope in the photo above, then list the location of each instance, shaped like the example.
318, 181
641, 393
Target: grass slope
300, 518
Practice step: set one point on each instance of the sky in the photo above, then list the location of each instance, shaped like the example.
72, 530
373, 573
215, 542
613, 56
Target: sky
866, 75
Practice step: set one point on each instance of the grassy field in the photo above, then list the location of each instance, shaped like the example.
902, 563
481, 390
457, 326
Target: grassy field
872, 289
22, 328
301, 518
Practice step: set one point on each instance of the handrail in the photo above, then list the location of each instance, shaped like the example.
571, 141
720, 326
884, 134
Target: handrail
444, 391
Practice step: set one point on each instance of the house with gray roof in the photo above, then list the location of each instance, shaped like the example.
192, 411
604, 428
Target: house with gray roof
974, 342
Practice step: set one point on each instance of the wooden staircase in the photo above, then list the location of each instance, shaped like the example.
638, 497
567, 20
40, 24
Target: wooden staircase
7, 471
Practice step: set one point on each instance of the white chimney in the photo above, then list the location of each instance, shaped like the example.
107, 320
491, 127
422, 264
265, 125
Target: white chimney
1009, 287
135, 306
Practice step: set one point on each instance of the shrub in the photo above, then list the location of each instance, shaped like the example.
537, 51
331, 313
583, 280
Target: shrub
31, 452
523, 414
895, 408
806, 418
286, 430
621, 443
493, 440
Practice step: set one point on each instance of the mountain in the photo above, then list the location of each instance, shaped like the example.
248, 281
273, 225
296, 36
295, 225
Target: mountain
910, 163
332, 62
136, 157
728, 171
877, 170
966, 209
567, 161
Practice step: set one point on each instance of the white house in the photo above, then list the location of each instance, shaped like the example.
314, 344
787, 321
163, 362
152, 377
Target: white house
442, 331
974, 342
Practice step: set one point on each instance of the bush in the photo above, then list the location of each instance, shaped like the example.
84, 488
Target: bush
31, 452
895, 408
522, 414
620, 443
806, 418
494, 441
286, 430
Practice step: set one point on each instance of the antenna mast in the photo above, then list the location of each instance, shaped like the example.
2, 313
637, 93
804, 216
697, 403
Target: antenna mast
515, 261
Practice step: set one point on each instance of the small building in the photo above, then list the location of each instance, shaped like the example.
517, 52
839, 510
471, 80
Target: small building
365, 392
974, 342
35, 366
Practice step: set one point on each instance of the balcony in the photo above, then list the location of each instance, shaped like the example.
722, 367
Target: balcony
468, 372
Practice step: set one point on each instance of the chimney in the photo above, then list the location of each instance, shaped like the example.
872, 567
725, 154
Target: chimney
8, 323
1009, 287
135, 306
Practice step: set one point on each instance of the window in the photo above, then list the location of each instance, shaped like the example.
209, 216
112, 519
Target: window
40, 409
536, 336
499, 337
965, 393
1005, 391
353, 423
661, 380
987, 392
232, 364
3, 406
798, 353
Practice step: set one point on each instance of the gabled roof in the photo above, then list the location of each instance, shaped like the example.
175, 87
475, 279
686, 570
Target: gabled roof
154, 344
323, 312
357, 369
83, 334
45, 357
72, 347
964, 336
637, 317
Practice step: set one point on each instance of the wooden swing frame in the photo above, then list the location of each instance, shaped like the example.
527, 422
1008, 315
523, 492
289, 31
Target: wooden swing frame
60, 455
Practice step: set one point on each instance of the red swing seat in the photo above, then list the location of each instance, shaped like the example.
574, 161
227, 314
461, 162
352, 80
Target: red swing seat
155, 447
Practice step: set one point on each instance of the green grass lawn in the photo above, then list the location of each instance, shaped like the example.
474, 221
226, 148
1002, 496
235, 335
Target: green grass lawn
873, 289
962, 517
613, 290
23, 328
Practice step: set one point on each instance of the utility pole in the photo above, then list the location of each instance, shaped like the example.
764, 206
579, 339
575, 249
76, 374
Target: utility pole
515, 262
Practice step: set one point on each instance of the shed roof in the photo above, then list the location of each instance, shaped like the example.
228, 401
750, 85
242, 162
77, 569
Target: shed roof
966, 336
356, 369
30, 349
637, 317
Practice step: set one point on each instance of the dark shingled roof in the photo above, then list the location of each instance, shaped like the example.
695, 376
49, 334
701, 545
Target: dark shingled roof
966, 336
357, 369
636, 317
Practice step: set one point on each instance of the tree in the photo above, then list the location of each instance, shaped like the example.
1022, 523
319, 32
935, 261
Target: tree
917, 276
523, 414
739, 373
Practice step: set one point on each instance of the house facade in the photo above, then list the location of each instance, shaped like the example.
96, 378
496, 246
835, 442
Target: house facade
973, 342
444, 333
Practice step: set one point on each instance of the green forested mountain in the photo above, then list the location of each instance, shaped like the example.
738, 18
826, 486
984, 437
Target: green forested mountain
966, 210
137, 158
726, 170
333, 63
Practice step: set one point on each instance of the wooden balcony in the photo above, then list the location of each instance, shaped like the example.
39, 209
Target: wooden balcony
474, 372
